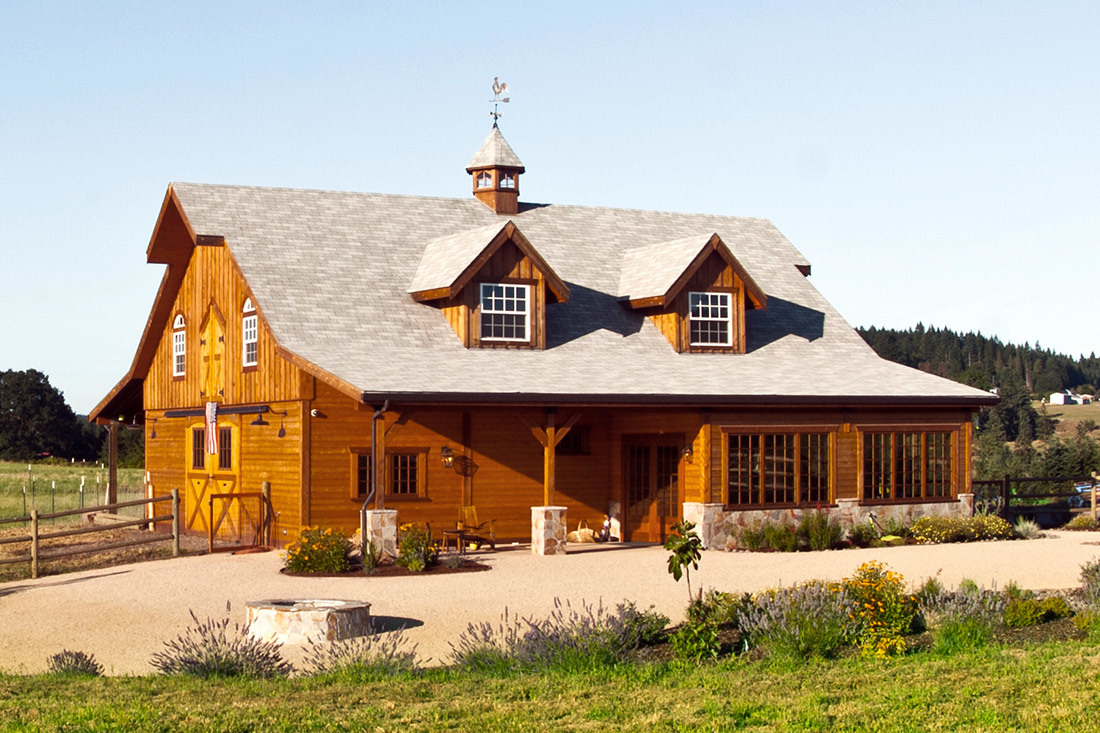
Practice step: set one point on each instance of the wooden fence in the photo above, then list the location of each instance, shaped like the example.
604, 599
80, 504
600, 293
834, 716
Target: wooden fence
1037, 495
35, 536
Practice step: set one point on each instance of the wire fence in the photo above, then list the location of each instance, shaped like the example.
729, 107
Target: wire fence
50, 489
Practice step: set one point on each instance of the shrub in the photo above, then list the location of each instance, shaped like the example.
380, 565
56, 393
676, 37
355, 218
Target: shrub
362, 659
1090, 581
640, 628
929, 530
696, 640
452, 560
781, 536
415, 550
717, 607
895, 526
211, 649
1089, 622
1055, 607
818, 531
884, 611
813, 619
964, 619
568, 639
752, 537
929, 589
1027, 529
863, 534
371, 557
319, 551
1082, 522
1023, 612
75, 664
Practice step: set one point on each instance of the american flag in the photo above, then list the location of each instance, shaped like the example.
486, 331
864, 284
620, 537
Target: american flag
212, 428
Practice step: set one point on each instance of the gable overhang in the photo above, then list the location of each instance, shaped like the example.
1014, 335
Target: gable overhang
557, 288
756, 298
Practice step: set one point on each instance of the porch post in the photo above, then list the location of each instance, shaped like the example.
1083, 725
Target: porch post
112, 465
548, 459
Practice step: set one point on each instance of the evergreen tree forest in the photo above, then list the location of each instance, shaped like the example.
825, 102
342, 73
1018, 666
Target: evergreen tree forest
1012, 437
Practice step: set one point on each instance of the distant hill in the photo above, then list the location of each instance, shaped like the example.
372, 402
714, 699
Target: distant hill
984, 361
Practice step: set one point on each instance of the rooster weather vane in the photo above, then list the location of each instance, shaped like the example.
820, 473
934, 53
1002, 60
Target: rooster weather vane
499, 88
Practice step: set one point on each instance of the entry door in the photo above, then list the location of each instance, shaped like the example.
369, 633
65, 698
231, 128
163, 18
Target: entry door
651, 477
209, 474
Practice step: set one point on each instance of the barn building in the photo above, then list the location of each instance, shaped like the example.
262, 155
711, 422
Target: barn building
507, 355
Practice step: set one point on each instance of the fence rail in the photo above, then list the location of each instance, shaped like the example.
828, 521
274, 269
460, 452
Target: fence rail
1011, 497
35, 537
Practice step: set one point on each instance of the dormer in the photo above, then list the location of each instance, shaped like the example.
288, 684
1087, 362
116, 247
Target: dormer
495, 168
491, 284
694, 290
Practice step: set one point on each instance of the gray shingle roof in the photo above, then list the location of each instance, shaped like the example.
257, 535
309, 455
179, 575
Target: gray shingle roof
650, 271
330, 272
495, 151
447, 257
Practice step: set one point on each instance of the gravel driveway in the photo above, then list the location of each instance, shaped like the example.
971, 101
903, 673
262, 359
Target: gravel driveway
123, 615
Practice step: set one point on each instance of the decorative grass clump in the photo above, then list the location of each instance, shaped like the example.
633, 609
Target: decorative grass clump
77, 664
1082, 523
363, 659
319, 551
569, 639
1027, 529
815, 530
212, 649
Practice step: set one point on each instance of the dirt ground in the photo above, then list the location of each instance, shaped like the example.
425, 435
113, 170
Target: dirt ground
124, 614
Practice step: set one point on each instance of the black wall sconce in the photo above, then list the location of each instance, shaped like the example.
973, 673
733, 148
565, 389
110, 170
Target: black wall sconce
687, 453
153, 433
259, 419
448, 456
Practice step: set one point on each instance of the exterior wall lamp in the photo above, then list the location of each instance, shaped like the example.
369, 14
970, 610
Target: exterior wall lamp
687, 453
259, 419
448, 456
153, 433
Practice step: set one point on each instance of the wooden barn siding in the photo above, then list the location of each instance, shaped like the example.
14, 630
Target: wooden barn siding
508, 262
713, 274
212, 277
848, 449
679, 426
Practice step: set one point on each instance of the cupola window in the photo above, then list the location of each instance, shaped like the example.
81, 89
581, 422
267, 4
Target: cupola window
507, 180
484, 179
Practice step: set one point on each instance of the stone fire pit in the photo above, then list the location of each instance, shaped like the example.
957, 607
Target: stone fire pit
302, 621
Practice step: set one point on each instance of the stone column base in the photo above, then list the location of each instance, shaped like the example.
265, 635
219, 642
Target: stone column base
548, 530
381, 532
710, 523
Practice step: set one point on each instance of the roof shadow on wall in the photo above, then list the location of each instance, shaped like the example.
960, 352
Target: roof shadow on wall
586, 312
782, 318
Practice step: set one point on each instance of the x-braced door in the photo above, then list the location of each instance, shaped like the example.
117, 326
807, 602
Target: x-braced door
212, 473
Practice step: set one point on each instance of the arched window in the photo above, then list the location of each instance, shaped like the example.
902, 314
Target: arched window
249, 334
507, 180
179, 346
484, 179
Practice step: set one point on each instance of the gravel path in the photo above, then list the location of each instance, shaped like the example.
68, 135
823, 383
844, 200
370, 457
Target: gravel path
123, 615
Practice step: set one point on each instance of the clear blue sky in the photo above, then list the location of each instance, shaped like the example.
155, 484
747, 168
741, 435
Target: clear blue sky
936, 162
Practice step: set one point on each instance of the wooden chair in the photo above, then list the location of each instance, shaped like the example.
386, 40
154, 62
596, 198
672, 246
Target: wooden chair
475, 531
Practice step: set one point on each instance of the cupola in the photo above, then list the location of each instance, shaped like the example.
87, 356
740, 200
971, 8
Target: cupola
495, 168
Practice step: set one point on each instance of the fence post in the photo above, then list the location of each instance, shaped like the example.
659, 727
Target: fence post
34, 542
1092, 510
265, 513
175, 522
1006, 491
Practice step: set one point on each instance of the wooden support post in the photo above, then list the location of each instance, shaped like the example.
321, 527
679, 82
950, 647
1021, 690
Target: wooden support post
265, 513
548, 461
34, 543
112, 466
1092, 510
175, 522
1006, 493
378, 458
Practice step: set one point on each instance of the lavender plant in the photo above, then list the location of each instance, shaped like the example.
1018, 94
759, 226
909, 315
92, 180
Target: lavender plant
74, 663
568, 639
813, 619
211, 648
364, 658
963, 619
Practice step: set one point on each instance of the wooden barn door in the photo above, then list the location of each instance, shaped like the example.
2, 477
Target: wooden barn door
209, 474
651, 476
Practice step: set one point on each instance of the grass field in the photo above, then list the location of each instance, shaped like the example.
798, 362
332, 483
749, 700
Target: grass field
56, 487
1068, 416
1048, 687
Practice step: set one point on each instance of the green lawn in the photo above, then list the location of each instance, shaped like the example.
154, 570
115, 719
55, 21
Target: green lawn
56, 487
1045, 687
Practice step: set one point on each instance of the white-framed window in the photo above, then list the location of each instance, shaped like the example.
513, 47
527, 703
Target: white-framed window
710, 319
249, 334
507, 180
505, 312
179, 346
484, 179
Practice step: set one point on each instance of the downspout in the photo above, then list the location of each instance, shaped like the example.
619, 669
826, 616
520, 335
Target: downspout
375, 473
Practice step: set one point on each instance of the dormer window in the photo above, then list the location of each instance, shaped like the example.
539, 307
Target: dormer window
484, 179
505, 312
179, 346
249, 334
507, 180
710, 319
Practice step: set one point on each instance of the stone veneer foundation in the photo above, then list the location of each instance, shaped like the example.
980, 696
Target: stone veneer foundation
548, 530
307, 621
717, 526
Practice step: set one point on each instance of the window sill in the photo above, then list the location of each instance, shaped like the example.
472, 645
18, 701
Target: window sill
917, 500
768, 507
